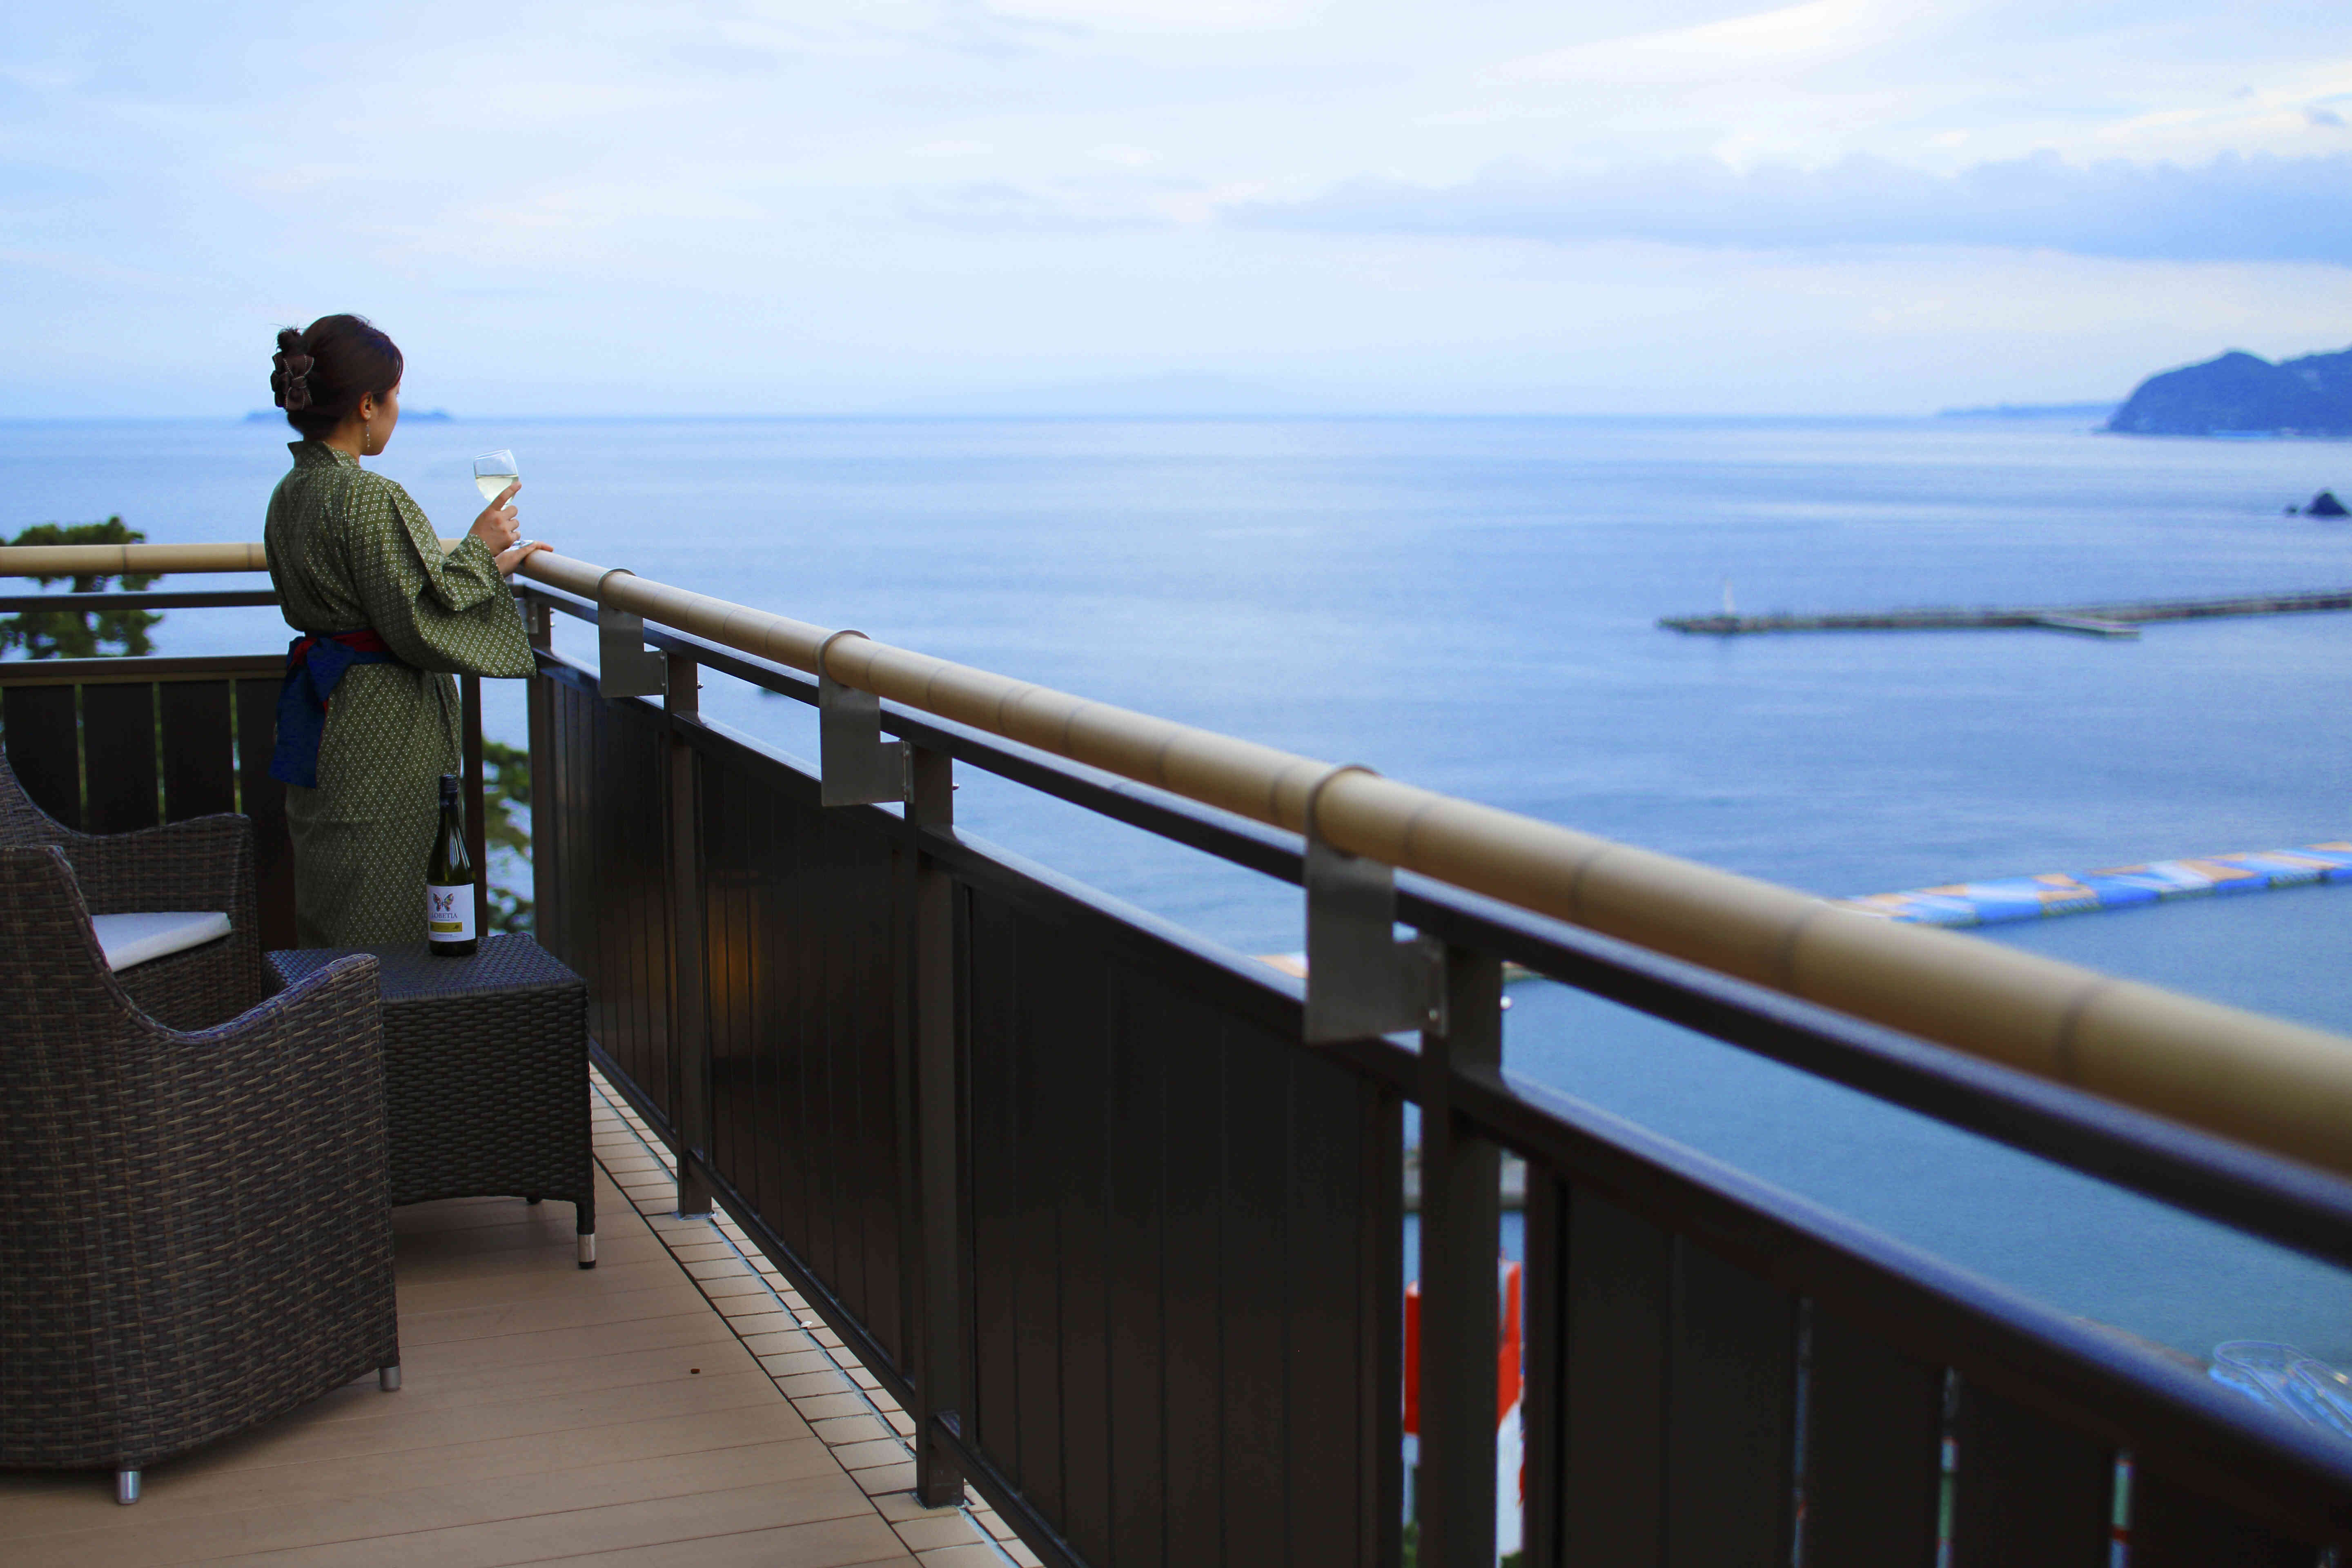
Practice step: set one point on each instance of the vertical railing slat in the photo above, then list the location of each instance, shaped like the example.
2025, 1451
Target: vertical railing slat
645, 734
555, 827
1080, 1091
994, 1078
784, 1024
547, 825
1254, 1291
688, 993
1380, 1249
478, 844
1730, 1418
630, 901
2028, 1493
45, 747
1544, 1408
882, 1130
1618, 1301
119, 757
199, 749
263, 799
739, 1088
1339, 1308
1038, 966
1193, 1292
1874, 1451
575, 767
1135, 1208
989, 1412
591, 893
2172, 1527
935, 1140
817, 887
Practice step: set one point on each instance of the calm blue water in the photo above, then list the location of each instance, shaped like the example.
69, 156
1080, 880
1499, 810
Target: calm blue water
1469, 604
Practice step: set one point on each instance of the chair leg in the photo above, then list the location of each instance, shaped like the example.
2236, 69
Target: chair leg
388, 1378
126, 1486
587, 1249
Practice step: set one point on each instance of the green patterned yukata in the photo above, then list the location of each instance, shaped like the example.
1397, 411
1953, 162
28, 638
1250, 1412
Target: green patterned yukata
348, 551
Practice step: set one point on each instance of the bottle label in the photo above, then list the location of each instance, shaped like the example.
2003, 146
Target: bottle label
449, 912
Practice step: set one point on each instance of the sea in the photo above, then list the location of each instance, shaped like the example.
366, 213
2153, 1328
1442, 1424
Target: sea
1472, 604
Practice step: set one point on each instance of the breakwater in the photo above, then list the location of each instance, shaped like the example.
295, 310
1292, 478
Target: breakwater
2110, 620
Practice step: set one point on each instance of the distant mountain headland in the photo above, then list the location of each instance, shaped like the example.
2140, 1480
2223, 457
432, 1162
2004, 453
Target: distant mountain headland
2243, 394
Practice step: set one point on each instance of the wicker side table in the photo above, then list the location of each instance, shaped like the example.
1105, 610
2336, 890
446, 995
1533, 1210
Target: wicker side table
485, 1074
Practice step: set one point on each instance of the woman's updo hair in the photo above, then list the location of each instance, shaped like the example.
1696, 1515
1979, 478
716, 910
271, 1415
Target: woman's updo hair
320, 374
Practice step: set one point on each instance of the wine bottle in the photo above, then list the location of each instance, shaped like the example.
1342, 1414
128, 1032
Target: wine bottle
449, 881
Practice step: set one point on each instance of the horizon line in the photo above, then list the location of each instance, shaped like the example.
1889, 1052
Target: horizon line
437, 417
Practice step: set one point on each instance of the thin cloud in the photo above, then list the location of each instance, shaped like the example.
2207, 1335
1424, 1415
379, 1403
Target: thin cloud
1166, 16
2257, 208
1761, 42
1001, 207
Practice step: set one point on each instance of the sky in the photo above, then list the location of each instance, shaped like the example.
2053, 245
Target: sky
1585, 206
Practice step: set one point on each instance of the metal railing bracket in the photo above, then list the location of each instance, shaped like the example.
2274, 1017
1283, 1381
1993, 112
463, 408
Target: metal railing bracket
858, 766
626, 667
1362, 978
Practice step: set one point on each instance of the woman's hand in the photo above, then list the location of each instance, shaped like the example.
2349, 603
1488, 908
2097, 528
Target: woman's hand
511, 559
497, 526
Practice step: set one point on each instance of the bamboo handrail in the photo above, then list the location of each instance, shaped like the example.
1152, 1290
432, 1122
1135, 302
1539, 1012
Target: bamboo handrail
2264, 1082
119, 560
142, 560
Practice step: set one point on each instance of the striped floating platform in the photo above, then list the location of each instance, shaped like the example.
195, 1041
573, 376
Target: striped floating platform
2118, 888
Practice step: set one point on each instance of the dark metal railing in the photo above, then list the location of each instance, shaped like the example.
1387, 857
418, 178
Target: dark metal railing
1066, 1178
882, 1027
109, 745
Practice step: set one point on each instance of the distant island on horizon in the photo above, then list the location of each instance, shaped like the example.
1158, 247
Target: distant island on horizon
418, 417
2243, 394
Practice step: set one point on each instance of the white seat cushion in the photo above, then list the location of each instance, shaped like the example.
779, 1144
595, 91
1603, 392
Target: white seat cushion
126, 940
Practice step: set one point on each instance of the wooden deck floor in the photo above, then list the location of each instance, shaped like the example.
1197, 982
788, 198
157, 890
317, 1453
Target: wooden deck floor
641, 1413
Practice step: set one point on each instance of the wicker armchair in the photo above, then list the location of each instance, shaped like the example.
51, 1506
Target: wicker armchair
194, 1227
202, 863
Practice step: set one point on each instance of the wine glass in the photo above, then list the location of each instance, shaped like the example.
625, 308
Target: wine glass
493, 472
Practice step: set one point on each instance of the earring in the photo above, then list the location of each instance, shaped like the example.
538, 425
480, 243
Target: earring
367, 434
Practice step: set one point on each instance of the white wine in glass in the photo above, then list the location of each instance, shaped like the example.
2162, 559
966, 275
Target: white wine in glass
493, 472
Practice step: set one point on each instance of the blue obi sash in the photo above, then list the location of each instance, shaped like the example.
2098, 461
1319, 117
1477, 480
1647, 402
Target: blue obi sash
314, 668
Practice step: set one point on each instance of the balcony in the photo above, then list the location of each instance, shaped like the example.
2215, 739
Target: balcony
1106, 1221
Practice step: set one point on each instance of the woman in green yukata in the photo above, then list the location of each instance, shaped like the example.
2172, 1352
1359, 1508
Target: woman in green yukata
368, 720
